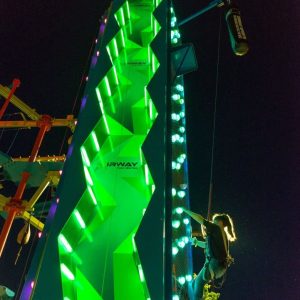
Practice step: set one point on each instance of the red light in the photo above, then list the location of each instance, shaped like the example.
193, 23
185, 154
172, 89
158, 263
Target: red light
39, 234
32, 284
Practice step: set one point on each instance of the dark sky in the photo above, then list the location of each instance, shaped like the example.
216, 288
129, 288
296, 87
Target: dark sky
46, 44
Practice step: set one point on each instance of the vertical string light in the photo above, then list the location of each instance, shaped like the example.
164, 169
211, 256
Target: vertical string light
180, 222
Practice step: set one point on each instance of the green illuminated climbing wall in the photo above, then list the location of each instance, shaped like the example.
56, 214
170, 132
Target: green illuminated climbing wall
97, 251
104, 236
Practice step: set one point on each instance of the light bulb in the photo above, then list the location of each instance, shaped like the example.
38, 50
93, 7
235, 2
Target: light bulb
176, 224
175, 250
181, 280
179, 210
186, 221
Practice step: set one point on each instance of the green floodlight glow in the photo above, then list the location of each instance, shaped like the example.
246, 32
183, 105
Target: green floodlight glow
88, 176
108, 52
66, 271
106, 124
107, 86
141, 156
150, 110
175, 297
79, 219
155, 27
102, 110
152, 26
100, 100
116, 75
133, 243
92, 195
141, 273
66, 298
122, 17
147, 174
153, 188
122, 37
153, 63
128, 9
65, 243
116, 47
95, 140
85, 156
145, 95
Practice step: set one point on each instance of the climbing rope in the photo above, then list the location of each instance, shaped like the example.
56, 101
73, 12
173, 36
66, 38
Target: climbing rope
13, 141
210, 196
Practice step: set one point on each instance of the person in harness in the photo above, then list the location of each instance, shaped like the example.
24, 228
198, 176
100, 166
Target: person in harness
218, 234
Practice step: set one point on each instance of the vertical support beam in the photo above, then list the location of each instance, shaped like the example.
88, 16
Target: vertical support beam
22, 185
6, 229
16, 84
168, 169
44, 127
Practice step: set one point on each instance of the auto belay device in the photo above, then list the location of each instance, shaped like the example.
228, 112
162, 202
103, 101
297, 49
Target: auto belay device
238, 39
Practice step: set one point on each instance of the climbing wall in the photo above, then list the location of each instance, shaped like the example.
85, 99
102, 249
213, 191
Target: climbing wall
106, 238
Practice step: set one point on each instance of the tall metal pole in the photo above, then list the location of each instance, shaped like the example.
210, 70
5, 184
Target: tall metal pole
6, 228
168, 160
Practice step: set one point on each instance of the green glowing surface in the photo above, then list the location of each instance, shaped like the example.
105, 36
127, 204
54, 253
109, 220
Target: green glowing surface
96, 244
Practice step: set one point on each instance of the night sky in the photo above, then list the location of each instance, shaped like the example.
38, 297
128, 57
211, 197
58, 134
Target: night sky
46, 44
